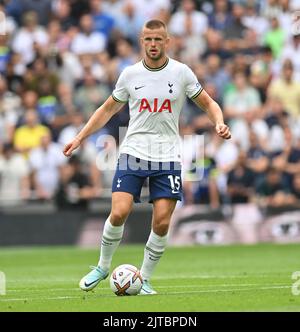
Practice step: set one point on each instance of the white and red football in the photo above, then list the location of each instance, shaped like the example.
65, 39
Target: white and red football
126, 280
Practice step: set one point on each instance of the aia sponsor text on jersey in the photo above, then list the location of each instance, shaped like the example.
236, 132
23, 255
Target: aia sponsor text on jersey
155, 107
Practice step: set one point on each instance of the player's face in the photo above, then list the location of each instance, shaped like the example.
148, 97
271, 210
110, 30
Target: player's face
154, 42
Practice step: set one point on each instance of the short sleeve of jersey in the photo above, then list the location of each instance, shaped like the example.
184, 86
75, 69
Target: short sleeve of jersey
192, 87
120, 93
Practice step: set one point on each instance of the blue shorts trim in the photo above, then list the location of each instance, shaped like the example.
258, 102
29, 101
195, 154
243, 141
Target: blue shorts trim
164, 178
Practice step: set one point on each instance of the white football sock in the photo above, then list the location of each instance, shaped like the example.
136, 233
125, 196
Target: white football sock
111, 238
154, 249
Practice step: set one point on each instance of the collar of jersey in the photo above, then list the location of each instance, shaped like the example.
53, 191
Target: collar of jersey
156, 69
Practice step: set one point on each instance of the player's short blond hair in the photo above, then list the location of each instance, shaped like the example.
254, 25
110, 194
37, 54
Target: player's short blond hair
155, 24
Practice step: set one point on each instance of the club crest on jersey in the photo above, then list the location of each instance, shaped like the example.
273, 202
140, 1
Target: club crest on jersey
155, 108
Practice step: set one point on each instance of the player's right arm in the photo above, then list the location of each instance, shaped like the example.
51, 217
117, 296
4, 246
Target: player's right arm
98, 120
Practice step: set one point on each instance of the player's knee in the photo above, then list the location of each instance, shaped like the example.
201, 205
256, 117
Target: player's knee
118, 217
161, 228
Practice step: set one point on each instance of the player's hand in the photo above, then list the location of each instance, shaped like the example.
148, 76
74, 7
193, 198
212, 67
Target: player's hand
223, 131
70, 147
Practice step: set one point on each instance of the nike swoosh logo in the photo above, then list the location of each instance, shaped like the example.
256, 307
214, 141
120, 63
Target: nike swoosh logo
139, 87
90, 284
144, 290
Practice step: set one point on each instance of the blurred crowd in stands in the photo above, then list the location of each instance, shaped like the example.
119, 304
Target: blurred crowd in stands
59, 60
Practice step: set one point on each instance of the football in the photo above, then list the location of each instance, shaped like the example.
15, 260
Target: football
126, 280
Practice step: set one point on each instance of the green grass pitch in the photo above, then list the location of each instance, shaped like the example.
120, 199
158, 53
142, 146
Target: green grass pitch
223, 278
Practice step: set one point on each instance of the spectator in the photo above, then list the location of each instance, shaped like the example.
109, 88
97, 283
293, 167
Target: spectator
215, 46
234, 32
270, 8
14, 176
129, 23
76, 124
45, 162
291, 52
240, 181
87, 152
288, 161
243, 100
29, 135
65, 106
275, 38
252, 47
125, 57
96, 66
71, 70
62, 11
192, 25
41, 7
15, 80
30, 38
251, 121
285, 17
58, 42
216, 75
220, 18
177, 49
253, 21
74, 191
188, 21
115, 8
158, 9
78, 9
276, 118
9, 107
257, 159
29, 100
261, 72
38, 72
287, 90
273, 191
9, 26
88, 41
47, 103
200, 186
90, 95
225, 155
49, 109
103, 22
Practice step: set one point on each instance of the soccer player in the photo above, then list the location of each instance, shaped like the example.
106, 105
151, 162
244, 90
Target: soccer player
155, 88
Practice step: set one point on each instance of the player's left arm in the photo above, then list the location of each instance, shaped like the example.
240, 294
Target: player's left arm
214, 112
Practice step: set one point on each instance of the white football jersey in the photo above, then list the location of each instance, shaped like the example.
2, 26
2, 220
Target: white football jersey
156, 97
